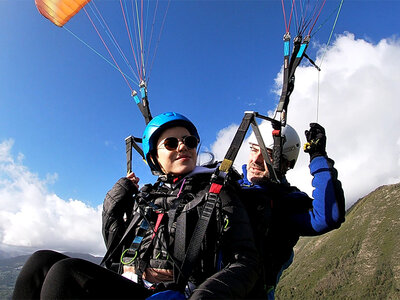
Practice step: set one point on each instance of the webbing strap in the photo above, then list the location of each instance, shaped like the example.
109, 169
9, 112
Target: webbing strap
130, 143
278, 147
159, 219
126, 257
136, 146
248, 119
113, 246
194, 246
180, 240
143, 103
286, 61
129, 254
264, 153
236, 142
289, 70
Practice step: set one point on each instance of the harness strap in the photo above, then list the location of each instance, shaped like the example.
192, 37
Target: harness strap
171, 216
248, 119
263, 149
130, 142
286, 70
159, 219
194, 246
289, 70
144, 262
143, 103
278, 147
126, 257
236, 142
112, 249
180, 239
129, 255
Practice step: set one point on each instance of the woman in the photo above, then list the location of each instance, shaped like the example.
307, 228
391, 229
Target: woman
149, 233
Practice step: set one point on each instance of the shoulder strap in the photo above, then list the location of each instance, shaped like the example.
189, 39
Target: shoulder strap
189, 256
111, 250
144, 194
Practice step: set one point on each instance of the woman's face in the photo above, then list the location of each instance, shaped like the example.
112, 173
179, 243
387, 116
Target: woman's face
179, 161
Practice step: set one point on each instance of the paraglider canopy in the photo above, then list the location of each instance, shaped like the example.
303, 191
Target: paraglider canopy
60, 11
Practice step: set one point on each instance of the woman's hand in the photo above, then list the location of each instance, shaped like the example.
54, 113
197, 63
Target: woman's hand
132, 177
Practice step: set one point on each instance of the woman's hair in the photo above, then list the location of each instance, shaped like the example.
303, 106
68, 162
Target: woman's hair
205, 158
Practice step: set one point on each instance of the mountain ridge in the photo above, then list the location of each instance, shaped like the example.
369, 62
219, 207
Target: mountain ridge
360, 260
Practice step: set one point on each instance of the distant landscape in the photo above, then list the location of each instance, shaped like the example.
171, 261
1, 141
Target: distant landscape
10, 268
360, 260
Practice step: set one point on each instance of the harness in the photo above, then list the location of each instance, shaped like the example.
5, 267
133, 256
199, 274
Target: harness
161, 215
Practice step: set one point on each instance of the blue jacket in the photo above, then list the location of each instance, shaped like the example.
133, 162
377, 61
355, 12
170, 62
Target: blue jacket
280, 214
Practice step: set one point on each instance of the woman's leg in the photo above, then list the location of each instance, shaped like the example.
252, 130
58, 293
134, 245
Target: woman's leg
75, 278
30, 279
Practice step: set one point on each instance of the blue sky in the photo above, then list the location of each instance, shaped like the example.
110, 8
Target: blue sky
64, 112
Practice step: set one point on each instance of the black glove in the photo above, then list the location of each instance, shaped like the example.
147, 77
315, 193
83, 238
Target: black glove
316, 141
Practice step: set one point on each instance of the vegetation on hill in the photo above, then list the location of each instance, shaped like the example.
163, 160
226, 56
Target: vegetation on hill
360, 260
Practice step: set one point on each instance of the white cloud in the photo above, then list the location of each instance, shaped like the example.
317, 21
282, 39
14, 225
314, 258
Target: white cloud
224, 139
31, 216
358, 106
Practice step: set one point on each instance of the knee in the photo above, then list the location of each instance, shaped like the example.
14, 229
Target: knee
40, 254
65, 267
71, 270
47, 255
34, 273
43, 259
65, 279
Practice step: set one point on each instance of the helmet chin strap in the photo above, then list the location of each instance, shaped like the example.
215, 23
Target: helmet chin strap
168, 178
157, 170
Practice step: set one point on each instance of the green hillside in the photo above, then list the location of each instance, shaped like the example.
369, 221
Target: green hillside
361, 260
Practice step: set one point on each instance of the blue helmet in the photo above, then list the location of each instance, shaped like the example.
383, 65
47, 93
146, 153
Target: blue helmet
156, 126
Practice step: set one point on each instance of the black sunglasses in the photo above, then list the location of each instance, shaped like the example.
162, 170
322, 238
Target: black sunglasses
172, 143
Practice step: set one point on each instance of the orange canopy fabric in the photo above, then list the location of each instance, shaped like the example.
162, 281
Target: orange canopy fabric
59, 11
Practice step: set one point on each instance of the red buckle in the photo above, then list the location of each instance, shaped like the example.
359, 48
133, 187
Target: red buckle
215, 188
276, 132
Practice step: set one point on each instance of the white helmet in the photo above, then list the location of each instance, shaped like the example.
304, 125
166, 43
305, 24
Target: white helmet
291, 141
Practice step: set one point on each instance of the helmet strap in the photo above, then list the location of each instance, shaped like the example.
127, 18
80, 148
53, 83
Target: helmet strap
155, 168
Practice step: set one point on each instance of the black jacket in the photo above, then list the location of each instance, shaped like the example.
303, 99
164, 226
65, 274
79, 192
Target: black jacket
239, 255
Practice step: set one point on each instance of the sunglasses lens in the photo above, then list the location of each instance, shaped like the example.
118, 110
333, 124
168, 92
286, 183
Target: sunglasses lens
190, 141
171, 143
